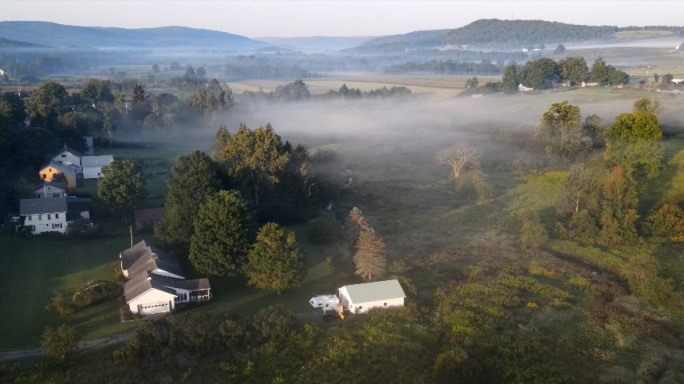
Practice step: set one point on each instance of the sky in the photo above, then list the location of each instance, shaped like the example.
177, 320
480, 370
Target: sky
287, 18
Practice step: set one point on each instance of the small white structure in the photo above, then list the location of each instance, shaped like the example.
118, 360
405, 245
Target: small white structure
44, 215
585, 84
523, 88
359, 298
92, 165
325, 302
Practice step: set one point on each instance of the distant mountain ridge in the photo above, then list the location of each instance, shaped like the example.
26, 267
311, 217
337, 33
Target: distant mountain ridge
495, 31
59, 35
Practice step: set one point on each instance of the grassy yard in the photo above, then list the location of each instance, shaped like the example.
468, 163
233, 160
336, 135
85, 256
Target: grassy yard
31, 269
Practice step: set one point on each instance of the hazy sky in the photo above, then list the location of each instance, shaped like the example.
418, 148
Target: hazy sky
334, 18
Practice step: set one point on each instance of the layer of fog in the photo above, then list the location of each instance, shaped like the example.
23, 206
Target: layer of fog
425, 125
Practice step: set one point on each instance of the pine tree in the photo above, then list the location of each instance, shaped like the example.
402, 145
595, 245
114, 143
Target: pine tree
370, 257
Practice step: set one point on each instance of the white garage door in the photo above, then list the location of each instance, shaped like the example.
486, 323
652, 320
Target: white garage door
149, 309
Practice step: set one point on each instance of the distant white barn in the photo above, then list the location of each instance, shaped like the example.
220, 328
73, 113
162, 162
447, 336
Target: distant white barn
359, 298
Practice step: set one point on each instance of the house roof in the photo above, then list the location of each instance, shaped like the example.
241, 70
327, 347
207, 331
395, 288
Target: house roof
148, 214
96, 161
187, 285
143, 257
39, 206
53, 184
61, 167
67, 149
376, 291
143, 283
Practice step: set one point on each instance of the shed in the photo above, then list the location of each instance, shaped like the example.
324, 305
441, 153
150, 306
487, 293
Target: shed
359, 298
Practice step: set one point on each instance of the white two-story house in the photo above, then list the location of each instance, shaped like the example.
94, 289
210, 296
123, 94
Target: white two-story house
44, 215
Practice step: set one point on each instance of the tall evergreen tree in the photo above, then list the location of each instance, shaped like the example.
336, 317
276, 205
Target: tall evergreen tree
219, 243
370, 258
193, 179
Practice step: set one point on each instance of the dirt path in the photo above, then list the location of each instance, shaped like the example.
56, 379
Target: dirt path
83, 345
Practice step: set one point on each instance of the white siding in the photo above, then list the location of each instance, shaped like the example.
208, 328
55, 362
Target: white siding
92, 172
364, 307
152, 301
68, 158
46, 222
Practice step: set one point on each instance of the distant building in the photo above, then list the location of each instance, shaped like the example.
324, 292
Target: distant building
92, 165
148, 217
44, 215
48, 173
523, 88
49, 190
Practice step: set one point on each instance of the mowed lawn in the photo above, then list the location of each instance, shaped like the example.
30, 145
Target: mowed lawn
31, 269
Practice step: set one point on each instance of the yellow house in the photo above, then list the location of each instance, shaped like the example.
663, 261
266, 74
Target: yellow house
48, 173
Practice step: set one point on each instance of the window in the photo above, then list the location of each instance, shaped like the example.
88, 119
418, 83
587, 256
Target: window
384, 305
63, 155
44, 175
55, 195
49, 217
56, 215
40, 217
29, 217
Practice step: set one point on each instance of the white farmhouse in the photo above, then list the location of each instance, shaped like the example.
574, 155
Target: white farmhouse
359, 298
44, 215
92, 165
156, 282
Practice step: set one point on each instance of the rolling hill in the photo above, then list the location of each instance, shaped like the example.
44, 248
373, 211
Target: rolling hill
59, 36
503, 32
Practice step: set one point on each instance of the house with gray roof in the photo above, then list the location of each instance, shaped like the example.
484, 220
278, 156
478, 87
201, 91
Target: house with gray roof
359, 298
44, 215
156, 283
50, 190
53, 214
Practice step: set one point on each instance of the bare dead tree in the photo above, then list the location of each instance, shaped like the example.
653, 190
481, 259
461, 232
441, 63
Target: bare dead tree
457, 157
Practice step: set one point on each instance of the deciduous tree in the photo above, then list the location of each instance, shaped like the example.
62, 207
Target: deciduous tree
560, 132
457, 157
256, 156
275, 261
634, 143
58, 342
219, 243
45, 104
121, 188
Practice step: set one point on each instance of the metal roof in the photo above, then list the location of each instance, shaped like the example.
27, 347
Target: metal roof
41, 206
96, 161
375, 291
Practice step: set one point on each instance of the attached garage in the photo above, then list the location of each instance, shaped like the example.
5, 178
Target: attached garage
148, 299
151, 309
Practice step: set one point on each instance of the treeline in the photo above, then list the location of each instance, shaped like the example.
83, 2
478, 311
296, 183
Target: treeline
448, 67
546, 73
298, 91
